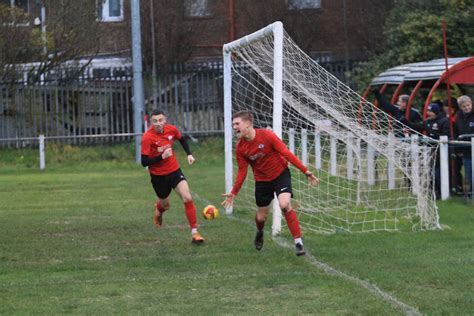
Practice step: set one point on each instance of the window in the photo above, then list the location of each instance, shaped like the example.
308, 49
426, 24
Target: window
304, 4
19, 17
22, 4
197, 8
110, 10
323, 56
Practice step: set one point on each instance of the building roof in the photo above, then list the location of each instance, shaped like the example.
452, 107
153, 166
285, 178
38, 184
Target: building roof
427, 70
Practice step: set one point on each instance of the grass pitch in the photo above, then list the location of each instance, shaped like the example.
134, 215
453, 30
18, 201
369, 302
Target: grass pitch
78, 238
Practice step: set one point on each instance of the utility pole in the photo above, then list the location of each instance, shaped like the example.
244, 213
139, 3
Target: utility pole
138, 98
154, 72
346, 40
43, 28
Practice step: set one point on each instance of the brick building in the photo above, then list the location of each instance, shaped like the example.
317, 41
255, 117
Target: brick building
328, 30
92, 47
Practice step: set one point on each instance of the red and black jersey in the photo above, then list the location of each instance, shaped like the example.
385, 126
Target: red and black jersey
153, 144
266, 154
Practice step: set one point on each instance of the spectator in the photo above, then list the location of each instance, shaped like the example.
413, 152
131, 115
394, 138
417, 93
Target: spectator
456, 180
436, 125
465, 126
398, 111
454, 109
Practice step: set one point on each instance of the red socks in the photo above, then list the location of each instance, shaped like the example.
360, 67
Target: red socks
159, 207
293, 223
191, 213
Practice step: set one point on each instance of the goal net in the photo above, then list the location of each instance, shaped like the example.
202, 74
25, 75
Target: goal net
375, 173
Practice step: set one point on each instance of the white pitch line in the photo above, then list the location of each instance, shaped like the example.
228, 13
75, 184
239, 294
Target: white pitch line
407, 309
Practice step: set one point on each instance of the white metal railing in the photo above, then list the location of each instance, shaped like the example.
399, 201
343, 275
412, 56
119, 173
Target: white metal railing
444, 156
41, 139
415, 140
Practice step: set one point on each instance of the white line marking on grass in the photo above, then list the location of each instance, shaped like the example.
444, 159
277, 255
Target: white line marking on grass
407, 309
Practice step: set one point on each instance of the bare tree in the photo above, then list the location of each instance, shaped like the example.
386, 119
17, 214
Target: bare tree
71, 33
301, 25
366, 21
166, 41
358, 23
172, 34
17, 43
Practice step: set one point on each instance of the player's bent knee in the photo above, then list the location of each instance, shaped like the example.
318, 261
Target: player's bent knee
165, 205
285, 207
261, 217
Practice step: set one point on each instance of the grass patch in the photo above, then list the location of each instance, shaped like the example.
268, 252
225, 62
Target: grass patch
78, 238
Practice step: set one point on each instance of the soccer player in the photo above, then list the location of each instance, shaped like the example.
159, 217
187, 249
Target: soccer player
158, 156
268, 156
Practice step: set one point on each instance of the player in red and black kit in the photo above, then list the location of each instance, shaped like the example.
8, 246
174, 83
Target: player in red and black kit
158, 156
268, 156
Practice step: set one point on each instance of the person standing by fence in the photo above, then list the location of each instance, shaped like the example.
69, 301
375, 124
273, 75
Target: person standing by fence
451, 108
436, 125
465, 126
399, 110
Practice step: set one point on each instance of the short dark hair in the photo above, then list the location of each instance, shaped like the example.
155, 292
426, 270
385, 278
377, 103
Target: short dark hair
454, 103
244, 115
404, 98
156, 112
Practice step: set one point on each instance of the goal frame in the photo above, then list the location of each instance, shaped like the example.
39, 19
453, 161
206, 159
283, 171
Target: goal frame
264, 53
276, 30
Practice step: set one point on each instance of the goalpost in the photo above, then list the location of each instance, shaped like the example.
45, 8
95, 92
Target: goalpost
371, 178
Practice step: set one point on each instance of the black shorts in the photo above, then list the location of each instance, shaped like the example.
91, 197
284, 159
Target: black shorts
163, 184
264, 190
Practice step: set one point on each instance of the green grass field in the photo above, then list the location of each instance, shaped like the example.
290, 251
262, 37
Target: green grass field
78, 238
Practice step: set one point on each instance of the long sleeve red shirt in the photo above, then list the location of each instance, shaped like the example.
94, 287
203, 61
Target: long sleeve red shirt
154, 144
266, 154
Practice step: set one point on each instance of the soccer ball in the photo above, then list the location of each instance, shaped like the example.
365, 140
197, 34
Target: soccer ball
210, 212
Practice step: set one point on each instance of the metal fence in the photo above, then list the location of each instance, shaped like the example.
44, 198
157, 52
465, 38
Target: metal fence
102, 103
86, 106
191, 96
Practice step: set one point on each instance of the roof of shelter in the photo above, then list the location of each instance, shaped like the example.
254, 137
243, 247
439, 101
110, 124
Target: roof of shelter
427, 70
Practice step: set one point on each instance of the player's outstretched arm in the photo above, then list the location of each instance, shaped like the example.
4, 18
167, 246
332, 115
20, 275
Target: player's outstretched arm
285, 152
239, 181
280, 147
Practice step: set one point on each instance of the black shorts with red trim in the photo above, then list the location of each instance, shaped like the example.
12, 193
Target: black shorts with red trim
265, 190
164, 184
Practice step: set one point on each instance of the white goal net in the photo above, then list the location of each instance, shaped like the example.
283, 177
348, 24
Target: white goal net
373, 176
